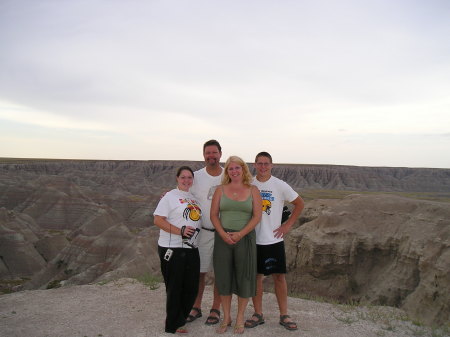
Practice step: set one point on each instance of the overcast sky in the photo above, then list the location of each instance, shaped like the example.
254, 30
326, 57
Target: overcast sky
317, 82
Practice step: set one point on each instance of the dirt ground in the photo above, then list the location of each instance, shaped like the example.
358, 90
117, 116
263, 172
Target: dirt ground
127, 308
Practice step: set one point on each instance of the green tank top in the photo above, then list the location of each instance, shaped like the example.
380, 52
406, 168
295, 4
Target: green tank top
234, 214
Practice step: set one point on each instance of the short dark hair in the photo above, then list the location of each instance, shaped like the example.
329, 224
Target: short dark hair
263, 154
212, 142
184, 168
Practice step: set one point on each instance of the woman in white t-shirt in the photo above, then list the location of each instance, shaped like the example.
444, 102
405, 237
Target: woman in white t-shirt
178, 216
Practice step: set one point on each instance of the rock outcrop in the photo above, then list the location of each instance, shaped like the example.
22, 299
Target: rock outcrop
116, 252
128, 308
18, 256
377, 249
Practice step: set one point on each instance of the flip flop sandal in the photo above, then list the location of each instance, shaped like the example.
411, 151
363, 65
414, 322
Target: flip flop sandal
288, 325
181, 330
192, 318
223, 327
251, 323
239, 329
211, 320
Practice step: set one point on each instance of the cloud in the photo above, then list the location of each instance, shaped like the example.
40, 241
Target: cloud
26, 115
287, 75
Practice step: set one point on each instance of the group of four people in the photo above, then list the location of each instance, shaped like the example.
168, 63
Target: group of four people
240, 236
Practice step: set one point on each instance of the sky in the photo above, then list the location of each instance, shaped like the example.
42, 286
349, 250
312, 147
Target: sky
348, 82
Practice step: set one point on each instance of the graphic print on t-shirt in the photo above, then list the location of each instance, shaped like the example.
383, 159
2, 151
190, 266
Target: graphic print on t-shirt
211, 191
192, 211
267, 198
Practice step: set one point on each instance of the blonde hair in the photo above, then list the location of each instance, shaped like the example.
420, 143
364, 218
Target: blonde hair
246, 175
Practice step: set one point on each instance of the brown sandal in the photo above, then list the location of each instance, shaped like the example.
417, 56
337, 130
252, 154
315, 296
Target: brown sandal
290, 325
211, 320
251, 323
198, 314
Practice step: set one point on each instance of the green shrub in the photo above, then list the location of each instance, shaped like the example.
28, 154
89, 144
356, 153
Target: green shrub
54, 284
149, 280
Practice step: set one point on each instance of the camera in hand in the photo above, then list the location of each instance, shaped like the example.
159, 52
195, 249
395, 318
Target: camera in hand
183, 233
190, 240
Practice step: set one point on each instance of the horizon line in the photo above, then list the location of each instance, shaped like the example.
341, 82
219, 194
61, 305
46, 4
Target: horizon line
2, 159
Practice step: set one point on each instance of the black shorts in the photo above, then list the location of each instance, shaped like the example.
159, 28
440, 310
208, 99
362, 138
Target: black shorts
271, 259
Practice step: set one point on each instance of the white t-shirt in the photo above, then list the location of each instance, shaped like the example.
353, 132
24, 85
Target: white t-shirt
203, 190
274, 192
180, 209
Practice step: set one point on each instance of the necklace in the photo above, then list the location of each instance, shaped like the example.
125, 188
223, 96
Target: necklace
237, 191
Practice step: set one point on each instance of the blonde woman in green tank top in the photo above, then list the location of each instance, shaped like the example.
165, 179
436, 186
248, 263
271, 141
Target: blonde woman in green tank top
235, 211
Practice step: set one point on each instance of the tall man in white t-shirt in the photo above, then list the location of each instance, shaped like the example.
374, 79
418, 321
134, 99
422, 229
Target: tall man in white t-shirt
205, 182
271, 257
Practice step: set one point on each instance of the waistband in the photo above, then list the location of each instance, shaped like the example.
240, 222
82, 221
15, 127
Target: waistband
209, 229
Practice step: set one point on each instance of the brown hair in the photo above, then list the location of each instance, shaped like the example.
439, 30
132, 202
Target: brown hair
211, 143
263, 154
184, 168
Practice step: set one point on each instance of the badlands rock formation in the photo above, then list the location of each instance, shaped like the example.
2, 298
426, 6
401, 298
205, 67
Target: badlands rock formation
141, 177
376, 249
18, 256
68, 222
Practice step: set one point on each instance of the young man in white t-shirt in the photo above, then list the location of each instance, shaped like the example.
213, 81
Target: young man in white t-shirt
271, 257
205, 182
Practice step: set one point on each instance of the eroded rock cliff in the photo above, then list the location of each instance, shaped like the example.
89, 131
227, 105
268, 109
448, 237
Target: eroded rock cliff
378, 249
